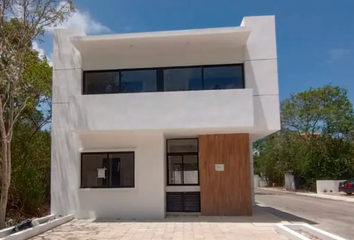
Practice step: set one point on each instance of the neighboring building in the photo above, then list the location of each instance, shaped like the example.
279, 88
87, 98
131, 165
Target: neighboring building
146, 124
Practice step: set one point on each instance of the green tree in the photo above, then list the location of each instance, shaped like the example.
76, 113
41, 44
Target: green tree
21, 22
325, 110
316, 138
30, 145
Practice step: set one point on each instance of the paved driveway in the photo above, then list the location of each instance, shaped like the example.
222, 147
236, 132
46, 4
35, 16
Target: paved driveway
259, 227
336, 217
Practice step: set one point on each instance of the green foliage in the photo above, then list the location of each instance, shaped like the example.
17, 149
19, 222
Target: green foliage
326, 110
24, 84
30, 169
315, 141
31, 145
37, 75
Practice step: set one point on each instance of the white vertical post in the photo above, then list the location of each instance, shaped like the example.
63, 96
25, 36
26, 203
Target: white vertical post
252, 172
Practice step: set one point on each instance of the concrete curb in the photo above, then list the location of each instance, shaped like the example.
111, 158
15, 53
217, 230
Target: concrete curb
289, 231
41, 228
314, 195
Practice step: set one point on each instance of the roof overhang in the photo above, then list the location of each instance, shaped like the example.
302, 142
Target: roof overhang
229, 37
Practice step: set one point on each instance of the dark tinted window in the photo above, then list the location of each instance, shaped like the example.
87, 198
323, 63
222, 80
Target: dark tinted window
101, 82
225, 77
91, 163
107, 170
164, 79
182, 79
138, 81
182, 145
182, 161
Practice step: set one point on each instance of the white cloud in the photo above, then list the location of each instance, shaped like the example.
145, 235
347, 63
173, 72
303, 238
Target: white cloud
38, 49
82, 20
41, 53
337, 54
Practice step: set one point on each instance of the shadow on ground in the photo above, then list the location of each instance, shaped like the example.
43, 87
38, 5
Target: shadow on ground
285, 216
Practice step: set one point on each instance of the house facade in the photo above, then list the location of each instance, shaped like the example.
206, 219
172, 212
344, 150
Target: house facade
147, 124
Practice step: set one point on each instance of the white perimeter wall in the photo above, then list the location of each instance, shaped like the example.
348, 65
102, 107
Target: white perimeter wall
328, 185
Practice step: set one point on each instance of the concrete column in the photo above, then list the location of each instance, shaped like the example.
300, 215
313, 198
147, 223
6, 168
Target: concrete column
252, 172
65, 157
261, 72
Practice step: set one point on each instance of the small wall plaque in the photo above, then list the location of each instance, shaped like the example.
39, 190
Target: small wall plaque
219, 167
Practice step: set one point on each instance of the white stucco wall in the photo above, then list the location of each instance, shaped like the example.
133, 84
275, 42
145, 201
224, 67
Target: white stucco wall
164, 58
64, 150
164, 111
328, 185
261, 76
261, 72
177, 110
147, 199
259, 181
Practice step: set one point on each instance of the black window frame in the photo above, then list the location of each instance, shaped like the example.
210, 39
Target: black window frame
99, 71
220, 66
182, 154
160, 77
107, 153
121, 79
201, 68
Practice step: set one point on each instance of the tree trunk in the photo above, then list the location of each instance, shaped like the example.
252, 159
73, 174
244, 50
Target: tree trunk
5, 168
5, 183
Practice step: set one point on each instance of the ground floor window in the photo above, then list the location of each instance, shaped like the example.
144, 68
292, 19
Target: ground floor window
107, 170
182, 162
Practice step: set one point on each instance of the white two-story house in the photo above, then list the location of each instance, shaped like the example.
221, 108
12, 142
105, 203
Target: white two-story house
147, 124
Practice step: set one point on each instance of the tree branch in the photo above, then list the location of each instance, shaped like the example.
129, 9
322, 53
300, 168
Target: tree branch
19, 112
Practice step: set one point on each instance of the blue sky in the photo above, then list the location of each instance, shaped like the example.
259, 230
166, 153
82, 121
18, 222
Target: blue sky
315, 39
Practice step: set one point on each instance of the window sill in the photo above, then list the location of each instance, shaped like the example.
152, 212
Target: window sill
107, 150
107, 189
184, 188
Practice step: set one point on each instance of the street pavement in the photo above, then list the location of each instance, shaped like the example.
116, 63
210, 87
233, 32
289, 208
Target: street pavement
333, 216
